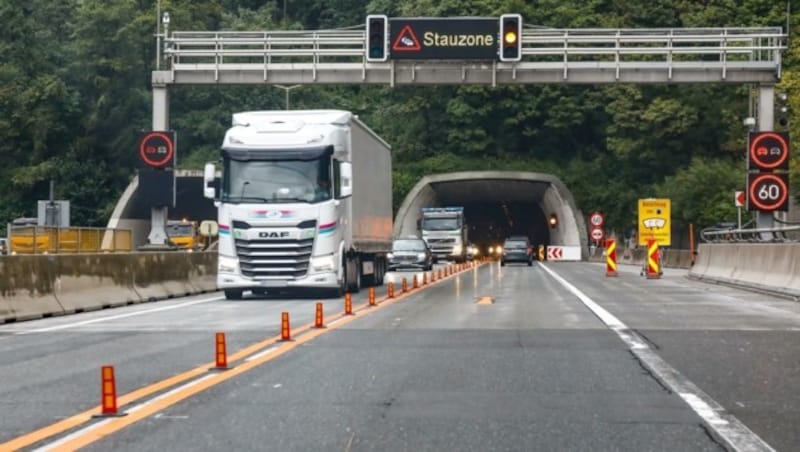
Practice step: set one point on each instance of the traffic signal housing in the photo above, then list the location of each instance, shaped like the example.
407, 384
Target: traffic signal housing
510, 37
377, 38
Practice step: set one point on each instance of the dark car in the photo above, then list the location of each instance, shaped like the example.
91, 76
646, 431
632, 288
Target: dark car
517, 249
410, 252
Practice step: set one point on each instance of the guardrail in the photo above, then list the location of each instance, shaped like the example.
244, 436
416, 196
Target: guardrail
747, 51
778, 234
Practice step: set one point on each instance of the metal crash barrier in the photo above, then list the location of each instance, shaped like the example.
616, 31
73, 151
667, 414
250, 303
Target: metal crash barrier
49, 240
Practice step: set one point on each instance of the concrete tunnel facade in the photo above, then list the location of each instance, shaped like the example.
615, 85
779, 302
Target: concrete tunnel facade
498, 204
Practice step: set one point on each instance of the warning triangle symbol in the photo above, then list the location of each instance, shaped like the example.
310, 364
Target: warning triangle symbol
406, 41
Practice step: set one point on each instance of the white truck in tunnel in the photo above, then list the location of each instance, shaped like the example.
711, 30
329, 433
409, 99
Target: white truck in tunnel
445, 232
305, 201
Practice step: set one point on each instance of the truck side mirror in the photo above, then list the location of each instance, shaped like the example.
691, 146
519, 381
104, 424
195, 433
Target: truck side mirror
345, 179
419, 224
208, 181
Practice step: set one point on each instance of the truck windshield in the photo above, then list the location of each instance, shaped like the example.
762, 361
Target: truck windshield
441, 224
276, 181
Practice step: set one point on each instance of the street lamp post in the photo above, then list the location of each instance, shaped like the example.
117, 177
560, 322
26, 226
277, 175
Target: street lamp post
287, 89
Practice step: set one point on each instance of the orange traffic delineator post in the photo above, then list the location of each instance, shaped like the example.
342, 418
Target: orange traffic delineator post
372, 296
611, 257
108, 393
318, 317
405, 285
391, 290
433, 276
286, 333
348, 304
414, 283
424, 278
221, 354
653, 264
440, 273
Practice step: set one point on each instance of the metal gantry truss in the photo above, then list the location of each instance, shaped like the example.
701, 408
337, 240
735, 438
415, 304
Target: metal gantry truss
585, 56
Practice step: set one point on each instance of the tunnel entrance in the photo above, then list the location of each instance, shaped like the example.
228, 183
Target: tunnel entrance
498, 204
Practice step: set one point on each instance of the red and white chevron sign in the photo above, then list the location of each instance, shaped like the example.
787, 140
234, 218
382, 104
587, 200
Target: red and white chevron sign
555, 253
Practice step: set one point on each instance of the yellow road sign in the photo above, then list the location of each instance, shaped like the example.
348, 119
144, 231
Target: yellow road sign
654, 221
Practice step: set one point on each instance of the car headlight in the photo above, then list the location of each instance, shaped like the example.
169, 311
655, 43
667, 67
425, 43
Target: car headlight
323, 263
228, 264
421, 256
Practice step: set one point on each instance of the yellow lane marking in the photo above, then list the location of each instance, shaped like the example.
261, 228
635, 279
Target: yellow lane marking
86, 416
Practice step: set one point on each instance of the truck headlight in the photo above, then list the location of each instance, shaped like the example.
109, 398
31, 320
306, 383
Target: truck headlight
389, 256
323, 263
228, 264
457, 249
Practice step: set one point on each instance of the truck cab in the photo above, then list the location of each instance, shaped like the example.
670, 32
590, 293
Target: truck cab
445, 232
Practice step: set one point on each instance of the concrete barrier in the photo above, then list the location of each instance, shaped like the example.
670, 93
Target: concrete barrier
45, 285
767, 267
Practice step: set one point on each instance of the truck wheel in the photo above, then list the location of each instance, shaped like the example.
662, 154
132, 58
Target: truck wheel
355, 285
233, 294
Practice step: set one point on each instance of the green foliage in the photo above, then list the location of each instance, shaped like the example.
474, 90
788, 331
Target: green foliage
75, 91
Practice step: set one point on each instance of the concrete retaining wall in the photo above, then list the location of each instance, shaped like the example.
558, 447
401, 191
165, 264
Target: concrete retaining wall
768, 267
45, 285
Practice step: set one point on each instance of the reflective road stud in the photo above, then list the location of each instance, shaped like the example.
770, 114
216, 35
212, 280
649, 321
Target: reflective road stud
286, 334
653, 265
611, 257
221, 351
318, 317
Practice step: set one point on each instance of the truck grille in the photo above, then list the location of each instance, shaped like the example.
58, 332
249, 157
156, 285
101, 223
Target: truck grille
441, 245
274, 259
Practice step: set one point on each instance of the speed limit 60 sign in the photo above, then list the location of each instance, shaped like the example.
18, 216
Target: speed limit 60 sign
767, 192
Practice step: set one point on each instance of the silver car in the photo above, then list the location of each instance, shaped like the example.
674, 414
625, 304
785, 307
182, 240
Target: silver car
410, 253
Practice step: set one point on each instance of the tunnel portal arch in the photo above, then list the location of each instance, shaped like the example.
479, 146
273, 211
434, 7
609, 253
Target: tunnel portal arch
500, 203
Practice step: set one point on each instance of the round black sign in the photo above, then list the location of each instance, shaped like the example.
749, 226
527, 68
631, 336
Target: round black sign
768, 192
156, 149
769, 150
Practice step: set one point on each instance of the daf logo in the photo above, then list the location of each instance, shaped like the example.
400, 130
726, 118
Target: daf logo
274, 235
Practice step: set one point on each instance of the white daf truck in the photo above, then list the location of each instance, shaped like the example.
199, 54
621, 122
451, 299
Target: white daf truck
304, 201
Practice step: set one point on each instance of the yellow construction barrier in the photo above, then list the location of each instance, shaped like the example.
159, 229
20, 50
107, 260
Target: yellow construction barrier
47, 240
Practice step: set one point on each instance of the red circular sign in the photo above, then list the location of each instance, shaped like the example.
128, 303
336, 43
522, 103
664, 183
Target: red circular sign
597, 233
769, 150
156, 149
768, 191
597, 219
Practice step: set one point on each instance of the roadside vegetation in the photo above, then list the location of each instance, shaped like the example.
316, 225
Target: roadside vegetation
75, 93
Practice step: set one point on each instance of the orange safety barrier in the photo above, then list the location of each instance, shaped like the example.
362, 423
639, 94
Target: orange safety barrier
318, 317
348, 304
108, 391
286, 334
221, 352
611, 257
653, 264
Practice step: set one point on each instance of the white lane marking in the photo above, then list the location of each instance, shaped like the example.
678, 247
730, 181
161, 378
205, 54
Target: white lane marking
55, 445
116, 317
735, 434
263, 353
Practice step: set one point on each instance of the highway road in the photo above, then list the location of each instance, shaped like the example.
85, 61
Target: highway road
551, 357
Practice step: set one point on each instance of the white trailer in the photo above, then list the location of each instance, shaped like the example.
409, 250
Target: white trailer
305, 200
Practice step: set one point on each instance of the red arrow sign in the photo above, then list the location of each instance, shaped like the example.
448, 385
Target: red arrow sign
555, 252
739, 198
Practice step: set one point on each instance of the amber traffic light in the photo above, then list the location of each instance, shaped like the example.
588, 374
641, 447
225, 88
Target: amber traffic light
510, 37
